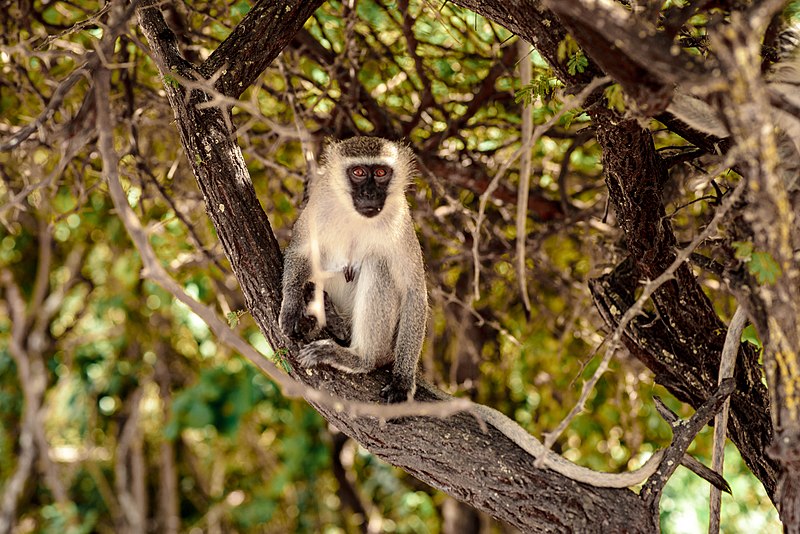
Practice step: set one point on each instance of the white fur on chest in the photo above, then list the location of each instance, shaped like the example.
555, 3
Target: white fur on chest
353, 238
349, 243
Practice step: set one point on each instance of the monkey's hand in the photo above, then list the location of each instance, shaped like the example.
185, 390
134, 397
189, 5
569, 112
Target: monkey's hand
400, 389
295, 321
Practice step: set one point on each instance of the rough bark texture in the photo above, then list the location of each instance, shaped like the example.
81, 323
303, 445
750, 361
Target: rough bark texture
480, 466
255, 42
771, 224
630, 50
691, 334
651, 341
685, 351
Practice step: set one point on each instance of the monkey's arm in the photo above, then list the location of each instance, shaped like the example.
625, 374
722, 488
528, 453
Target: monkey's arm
293, 321
410, 335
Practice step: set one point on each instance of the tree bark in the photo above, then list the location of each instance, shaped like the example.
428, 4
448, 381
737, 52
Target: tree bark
691, 334
457, 454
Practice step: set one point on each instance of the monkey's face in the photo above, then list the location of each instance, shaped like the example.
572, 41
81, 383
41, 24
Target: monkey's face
369, 186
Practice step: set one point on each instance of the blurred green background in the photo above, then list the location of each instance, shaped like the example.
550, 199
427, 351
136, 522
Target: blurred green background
137, 419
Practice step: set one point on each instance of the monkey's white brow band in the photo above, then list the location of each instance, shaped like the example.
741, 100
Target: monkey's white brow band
383, 160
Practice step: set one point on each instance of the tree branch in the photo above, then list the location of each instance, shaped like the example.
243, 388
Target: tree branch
684, 433
260, 37
630, 50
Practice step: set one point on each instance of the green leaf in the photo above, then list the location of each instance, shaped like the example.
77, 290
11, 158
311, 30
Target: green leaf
750, 335
241, 8
171, 81
233, 317
615, 97
567, 48
279, 357
543, 87
577, 63
764, 268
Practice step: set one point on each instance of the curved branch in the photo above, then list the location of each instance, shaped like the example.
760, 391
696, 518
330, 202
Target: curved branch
692, 333
695, 334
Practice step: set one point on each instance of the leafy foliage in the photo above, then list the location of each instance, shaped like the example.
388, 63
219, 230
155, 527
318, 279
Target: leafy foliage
139, 396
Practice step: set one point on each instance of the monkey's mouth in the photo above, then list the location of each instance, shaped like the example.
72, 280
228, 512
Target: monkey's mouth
369, 211
369, 200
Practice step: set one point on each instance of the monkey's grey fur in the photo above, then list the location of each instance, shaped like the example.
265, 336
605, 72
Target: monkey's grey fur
370, 268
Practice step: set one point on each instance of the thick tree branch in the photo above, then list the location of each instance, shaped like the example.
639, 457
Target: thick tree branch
771, 221
635, 175
692, 335
256, 42
643, 61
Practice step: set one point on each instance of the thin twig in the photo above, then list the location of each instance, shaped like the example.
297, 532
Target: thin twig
684, 433
727, 365
526, 74
104, 48
569, 104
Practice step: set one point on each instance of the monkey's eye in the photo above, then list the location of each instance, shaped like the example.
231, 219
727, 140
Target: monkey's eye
381, 174
358, 173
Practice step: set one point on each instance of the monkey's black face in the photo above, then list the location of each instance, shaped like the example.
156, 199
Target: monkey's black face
369, 185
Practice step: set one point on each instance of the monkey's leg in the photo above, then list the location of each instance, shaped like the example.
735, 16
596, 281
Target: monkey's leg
373, 324
410, 335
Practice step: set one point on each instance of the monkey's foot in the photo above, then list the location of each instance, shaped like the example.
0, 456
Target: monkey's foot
398, 390
328, 352
317, 353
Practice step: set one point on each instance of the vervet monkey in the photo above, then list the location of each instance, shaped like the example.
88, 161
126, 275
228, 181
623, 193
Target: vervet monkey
355, 240
354, 246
